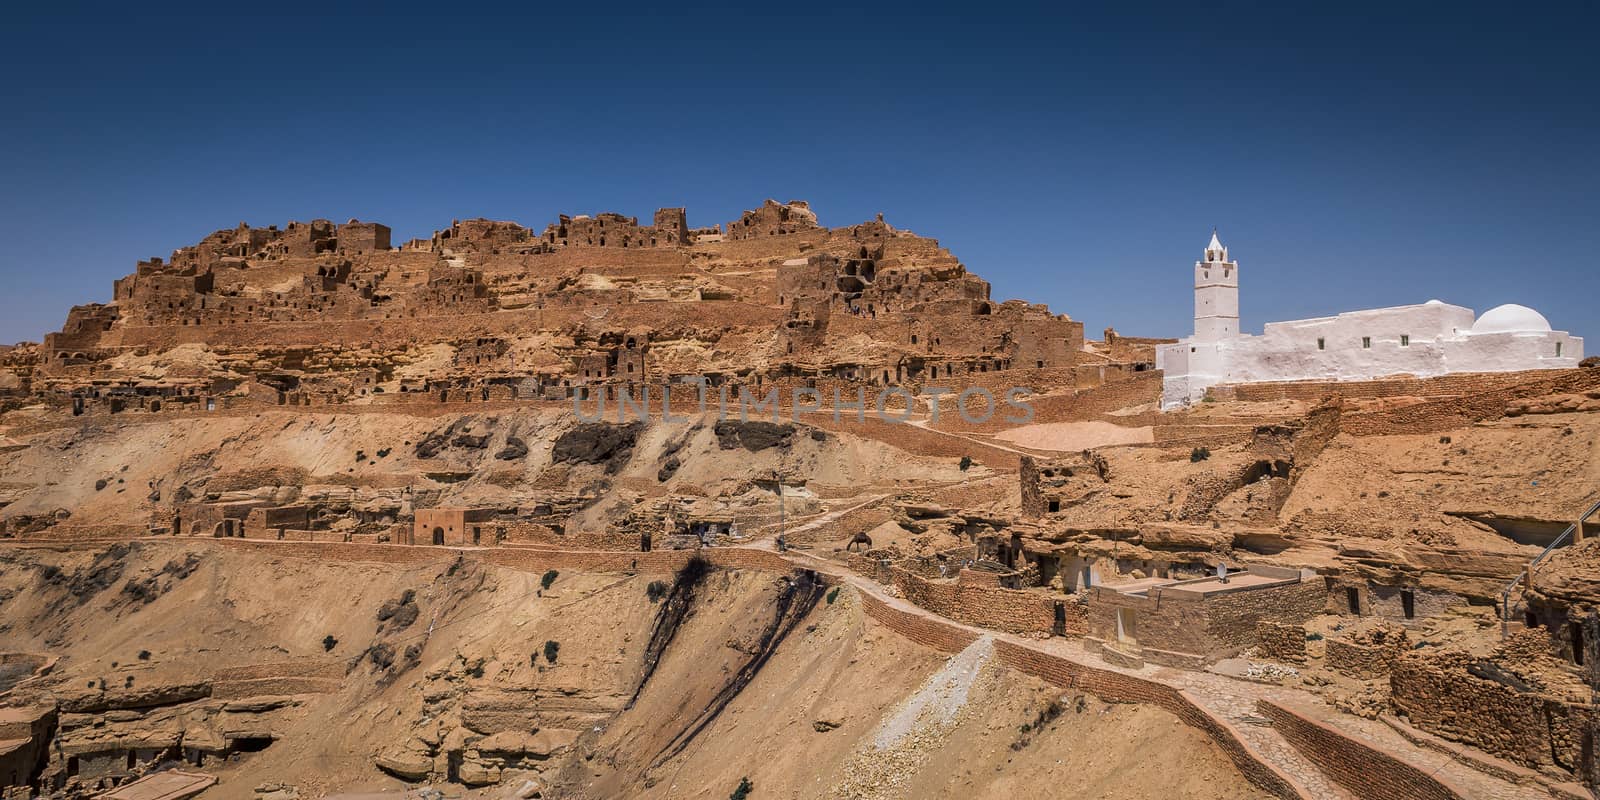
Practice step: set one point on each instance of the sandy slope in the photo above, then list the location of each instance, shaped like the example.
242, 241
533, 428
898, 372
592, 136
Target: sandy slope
795, 730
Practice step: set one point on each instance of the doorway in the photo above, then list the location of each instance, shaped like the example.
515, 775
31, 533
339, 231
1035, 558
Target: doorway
438, 535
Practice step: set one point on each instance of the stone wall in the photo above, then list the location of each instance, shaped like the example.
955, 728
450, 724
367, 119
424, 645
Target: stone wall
1366, 660
1187, 628
1276, 641
1313, 391
971, 600
1105, 684
26, 733
1457, 412
1368, 772
1437, 694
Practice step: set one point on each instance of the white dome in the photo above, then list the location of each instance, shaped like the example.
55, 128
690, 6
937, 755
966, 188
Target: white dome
1511, 318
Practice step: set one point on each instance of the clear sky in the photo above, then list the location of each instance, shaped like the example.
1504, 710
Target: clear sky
1352, 156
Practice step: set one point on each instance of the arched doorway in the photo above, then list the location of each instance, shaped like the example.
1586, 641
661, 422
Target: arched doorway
438, 535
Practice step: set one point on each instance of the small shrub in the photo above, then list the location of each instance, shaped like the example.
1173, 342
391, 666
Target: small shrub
548, 578
743, 790
1199, 454
966, 463
128, 682
1313, 637
656, 590
833, 595
144, 655
328, 643
552, 649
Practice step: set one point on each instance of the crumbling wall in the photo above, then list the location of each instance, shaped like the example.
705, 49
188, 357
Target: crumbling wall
1369, 654
1498, 714
1277, 641
773, 219
976, 602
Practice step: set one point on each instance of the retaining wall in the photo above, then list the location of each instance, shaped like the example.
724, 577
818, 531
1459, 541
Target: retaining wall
1368, 772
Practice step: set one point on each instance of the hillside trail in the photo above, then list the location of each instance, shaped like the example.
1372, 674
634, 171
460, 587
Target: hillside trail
1234, 701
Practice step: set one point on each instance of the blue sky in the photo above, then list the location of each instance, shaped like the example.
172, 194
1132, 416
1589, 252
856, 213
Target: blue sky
1352, 157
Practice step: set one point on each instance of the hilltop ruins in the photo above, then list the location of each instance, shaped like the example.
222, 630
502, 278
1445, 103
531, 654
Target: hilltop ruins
316, 475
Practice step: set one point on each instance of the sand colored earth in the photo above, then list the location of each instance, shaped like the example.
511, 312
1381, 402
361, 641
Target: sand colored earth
1070, 436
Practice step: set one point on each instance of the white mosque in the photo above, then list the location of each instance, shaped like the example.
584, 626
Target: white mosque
1424, 340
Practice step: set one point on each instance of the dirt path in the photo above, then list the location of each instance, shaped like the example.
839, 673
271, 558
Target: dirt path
1228, 699
1235, 701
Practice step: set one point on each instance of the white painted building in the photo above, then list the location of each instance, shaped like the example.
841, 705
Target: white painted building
1424, 340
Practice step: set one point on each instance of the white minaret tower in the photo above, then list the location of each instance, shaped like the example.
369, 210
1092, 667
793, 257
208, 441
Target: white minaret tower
1216, 294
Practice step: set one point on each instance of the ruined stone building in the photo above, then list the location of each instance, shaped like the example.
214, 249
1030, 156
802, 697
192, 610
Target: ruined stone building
592, 301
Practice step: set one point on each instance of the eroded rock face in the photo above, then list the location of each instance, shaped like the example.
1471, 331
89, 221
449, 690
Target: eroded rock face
752, 435
597, 443
514, 450
102, 700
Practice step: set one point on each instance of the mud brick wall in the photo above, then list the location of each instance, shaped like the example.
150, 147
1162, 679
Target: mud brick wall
656, 562
1210, 627
869, 565
1009, 610
1231, 619
1078, 406
1364, 661
1437, 694
914, 439
1117, 687
528, 559
1176, 625
341, 551
533, 533
20, 760
1442, 415
1276, 641
1369, 773
1441, 386
86, 532
929, 633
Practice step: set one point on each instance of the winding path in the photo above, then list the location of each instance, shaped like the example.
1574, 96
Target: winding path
1236, 702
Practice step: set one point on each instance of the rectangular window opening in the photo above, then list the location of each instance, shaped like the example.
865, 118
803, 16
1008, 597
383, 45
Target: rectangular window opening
1405, 340
1322, 344
1366, 342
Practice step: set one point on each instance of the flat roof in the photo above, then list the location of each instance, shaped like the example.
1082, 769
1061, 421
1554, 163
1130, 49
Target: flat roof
1236, 580
169, 785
